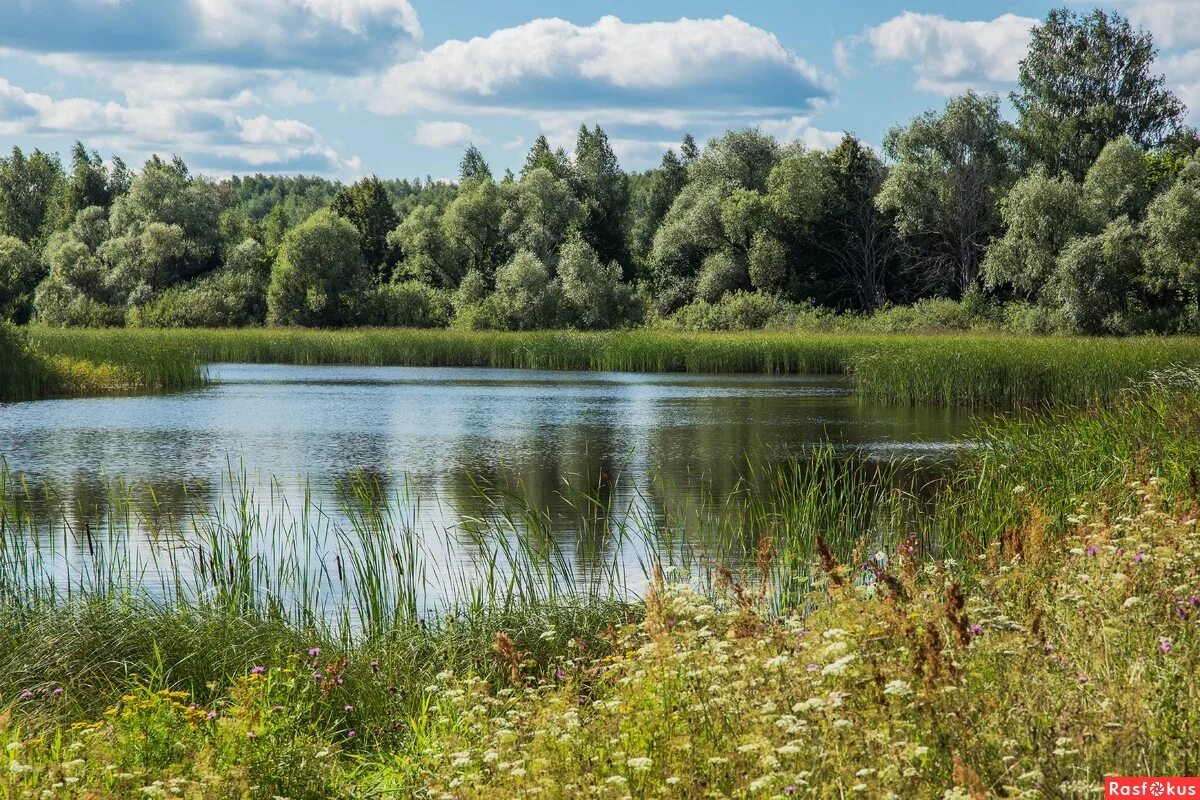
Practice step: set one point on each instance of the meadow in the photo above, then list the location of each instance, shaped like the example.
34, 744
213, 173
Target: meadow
1024, 629
963, 369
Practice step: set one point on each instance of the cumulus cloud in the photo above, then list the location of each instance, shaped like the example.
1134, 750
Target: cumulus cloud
547, 65
439, 133
1174, 23
333, 35
947, 56
214, 133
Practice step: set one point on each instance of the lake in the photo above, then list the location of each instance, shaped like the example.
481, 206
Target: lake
448, 445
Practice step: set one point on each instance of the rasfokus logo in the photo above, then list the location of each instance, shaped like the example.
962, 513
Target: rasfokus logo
1151, 787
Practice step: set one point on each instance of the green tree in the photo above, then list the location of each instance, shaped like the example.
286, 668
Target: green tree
473, 167
1042, 215
1116, 183
542, 157
854, 235
526, 296
739, 160
166, 193
1086, 80
28, 188
369, 209
543, 213
1172, 231
20, 272
90, 183
1095, 279
428, 255
950, 170
649, 206
319, 278
593, 294
603, 191
471, 226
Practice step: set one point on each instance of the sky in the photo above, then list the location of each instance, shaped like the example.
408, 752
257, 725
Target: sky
398, 88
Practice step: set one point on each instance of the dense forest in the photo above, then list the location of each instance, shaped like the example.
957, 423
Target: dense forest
1081, 214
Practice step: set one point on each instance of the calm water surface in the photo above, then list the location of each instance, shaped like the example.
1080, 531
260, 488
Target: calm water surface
451, 436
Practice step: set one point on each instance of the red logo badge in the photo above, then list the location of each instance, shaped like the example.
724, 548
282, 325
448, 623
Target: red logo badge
1151, 787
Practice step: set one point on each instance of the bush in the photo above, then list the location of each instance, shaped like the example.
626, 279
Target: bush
736, 311
410, 304
1035, 320
225, 299
933, 314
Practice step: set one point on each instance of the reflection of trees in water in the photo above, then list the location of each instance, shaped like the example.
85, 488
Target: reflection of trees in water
93, 502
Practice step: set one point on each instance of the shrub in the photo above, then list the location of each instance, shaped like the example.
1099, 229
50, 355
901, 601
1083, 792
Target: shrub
410, 304
225, 299
736, 311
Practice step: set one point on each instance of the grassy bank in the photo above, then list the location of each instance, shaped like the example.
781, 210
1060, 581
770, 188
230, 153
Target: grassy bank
1005, 371
28, 373
1039, 631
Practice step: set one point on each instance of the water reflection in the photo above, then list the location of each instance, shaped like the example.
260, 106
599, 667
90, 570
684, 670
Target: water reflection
577, 459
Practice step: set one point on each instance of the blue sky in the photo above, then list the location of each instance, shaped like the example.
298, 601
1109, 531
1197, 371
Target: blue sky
398, 87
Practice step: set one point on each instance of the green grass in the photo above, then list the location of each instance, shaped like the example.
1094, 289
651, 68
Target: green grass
961, 370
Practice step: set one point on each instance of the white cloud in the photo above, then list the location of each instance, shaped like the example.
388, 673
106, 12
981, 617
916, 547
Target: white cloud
801, 129
550, 65
515, 143
210, 132
948, 56
441, 133
333, 35
1174, 23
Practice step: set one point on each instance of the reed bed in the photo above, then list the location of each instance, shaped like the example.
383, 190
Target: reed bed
962, 370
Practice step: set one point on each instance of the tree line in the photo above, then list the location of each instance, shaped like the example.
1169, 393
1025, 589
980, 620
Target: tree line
1081, 214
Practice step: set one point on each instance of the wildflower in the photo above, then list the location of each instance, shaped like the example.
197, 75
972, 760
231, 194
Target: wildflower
898, 688
314, 651
58, 691
251, 735
671, 781
318, 676
374, 665
1164, 645
257, 670
975, 629
838, 667
639, 763
1019, 489
616, 780
1132, 601
25, 695
559, 674
212, 715
1082, 678
1139, 557
350, 734
348, 708
1093, 550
